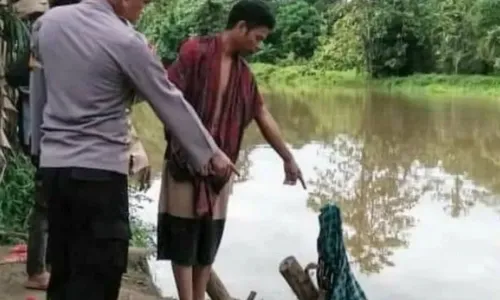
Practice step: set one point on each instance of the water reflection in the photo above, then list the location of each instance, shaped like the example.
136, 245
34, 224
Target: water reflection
375, 201
416, 181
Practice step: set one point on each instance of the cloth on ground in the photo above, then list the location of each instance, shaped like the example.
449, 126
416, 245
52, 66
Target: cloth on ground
17, 254
334, 272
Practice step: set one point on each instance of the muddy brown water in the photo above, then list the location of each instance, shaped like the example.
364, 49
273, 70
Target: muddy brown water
418, 181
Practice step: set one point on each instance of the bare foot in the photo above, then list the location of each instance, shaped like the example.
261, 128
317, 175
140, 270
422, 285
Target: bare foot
38, 282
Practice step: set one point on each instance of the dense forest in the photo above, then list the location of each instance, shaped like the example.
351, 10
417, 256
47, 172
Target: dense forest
378, 37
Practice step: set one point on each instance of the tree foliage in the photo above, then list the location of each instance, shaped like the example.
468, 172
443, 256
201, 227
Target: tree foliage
167, 23
297, 31
380, 37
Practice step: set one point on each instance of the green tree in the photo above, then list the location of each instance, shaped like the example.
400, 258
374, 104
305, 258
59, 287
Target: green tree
342, 47
486, 23
298, 29
454, 38
383, 38
167, 23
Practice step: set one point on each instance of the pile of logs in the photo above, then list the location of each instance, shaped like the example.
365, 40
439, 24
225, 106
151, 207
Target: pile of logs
217, 291
298, 279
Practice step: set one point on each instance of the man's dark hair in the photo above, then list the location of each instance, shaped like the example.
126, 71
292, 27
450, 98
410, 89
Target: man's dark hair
255, 13
55, 3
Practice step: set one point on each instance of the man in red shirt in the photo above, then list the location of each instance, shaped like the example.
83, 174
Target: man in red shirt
216, 80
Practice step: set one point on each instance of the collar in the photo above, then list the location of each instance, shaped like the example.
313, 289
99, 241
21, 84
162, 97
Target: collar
105, 6
102, 5
126, 22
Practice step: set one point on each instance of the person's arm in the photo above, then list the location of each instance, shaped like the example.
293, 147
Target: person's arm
38, 93
266, 123
147, 74
271, 132
139, 97
38, 98
179, 71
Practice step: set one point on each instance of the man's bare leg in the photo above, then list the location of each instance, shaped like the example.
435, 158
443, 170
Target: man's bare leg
184, 281
201, 275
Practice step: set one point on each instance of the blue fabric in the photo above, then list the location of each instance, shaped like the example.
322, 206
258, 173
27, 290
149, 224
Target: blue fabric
334, 272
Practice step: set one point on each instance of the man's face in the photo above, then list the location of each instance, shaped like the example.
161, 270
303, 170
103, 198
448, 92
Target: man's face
130, 9
250, 40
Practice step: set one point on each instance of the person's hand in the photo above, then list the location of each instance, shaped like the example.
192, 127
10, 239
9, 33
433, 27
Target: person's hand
293, 173
221, 165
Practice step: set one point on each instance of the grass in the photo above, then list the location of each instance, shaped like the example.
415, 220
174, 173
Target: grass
449, 85
17, 197
305, 78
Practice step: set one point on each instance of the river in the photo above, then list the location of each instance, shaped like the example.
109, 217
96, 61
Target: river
417, 181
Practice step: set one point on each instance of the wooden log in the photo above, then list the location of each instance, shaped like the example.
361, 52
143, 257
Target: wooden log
252, 295
299, 281
322, 295
216, 289
311, 266
138, 263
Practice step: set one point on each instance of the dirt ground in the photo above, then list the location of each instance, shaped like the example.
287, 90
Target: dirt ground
136, 283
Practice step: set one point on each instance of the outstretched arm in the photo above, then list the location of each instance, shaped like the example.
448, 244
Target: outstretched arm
147, 74
271, 132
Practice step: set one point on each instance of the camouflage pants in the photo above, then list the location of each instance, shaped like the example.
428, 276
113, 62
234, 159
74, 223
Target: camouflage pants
38, 232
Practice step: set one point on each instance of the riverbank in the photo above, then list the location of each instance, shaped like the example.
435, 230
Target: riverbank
305, 78
136, 284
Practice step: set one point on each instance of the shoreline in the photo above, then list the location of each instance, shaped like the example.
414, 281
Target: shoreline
304, 78
137, 283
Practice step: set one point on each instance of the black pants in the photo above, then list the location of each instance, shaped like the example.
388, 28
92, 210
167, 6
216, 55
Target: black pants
88, 232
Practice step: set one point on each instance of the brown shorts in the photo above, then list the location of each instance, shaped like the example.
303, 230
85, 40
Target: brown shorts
182, 237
